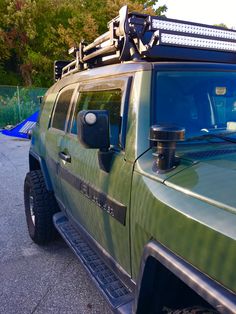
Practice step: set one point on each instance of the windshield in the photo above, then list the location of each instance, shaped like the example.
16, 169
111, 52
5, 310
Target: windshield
201, 102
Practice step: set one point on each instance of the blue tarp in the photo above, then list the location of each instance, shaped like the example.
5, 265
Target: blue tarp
21, 129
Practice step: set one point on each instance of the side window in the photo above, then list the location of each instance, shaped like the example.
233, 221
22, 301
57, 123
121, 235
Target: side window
101, 100
62, 107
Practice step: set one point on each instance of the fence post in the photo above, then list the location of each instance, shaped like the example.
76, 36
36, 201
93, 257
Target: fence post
18, 102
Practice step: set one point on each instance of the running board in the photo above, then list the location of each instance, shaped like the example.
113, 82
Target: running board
116, 293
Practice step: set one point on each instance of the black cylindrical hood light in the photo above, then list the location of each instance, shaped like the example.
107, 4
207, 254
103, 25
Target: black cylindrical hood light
166, 138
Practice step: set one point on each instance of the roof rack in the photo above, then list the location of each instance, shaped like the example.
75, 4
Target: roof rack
139, 37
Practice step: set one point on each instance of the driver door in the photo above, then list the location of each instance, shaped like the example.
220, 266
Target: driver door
96, 200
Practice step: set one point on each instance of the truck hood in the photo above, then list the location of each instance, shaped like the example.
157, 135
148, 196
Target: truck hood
211, 176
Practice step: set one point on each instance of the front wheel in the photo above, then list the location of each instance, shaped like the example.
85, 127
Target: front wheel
40, 206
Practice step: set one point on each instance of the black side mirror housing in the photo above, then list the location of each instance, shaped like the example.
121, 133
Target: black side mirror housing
29, 134
93, 132
93, 129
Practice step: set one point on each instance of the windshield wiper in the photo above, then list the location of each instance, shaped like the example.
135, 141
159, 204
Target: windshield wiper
212, 135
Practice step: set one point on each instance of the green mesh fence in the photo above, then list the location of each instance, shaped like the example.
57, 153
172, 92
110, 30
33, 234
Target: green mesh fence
18, 103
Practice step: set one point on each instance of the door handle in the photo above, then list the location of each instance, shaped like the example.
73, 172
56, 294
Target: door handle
64, 156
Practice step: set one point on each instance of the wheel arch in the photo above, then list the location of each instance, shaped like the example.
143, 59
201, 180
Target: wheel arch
38, 163
156, 257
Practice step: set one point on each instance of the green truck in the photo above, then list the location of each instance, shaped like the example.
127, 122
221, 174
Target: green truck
133, 162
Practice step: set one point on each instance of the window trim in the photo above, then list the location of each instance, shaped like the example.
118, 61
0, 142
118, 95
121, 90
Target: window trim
70, 87
125, 83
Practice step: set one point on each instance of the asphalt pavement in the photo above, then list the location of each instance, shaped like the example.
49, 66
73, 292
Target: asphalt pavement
35, 279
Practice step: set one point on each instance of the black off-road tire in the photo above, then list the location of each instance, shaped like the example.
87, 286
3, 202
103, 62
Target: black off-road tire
40, 206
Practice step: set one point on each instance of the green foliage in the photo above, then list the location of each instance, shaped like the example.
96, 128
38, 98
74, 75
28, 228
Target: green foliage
34, 33
222, 25
9, 77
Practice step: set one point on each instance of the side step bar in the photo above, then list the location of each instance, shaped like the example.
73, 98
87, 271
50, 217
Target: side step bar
116, 293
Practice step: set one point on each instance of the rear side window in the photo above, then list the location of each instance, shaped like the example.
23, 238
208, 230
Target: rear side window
61, 110
101, 100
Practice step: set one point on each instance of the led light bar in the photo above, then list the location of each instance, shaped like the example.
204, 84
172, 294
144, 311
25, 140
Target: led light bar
196, 42
192, 29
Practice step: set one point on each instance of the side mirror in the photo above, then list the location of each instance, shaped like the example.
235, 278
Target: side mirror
29, 134
40, 98
93, 132
93, 129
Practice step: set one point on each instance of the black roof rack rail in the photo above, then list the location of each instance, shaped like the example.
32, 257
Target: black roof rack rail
140, 37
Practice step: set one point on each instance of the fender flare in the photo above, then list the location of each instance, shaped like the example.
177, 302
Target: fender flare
214, 293
42, 166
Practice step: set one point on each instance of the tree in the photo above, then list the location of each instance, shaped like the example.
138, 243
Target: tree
221, 25
35, 33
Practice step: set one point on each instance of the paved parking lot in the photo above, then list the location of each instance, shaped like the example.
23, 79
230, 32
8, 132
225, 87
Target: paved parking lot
35, 279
